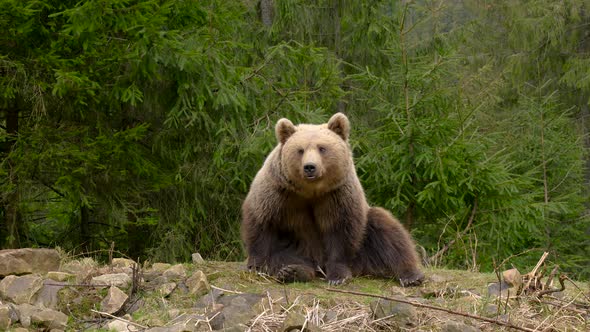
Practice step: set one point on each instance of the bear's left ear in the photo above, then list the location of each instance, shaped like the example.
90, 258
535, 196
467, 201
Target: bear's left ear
284, 129
340, 125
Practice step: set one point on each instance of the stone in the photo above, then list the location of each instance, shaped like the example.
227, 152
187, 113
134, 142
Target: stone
52, 319
458, 327
59, 276
22, 329
237, 309
113, 301
401, 312
197, 259
19, 290
173, 313
113, 279
175, 272
197, 284
81, 269
121, 326
498, 289
28, 260
25, 311
47, 296
166, 289
512, 277
8, 316
295, 321
123, 262
160, 267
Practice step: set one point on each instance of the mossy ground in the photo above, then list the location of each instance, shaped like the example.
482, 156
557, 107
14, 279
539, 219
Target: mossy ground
460, 291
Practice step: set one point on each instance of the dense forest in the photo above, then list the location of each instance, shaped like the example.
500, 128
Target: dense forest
140, 124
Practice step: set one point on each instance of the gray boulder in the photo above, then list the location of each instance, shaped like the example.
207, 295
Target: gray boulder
20, 290
114, 300
28, 260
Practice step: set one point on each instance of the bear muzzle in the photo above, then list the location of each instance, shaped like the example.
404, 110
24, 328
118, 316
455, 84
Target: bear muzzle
310, 171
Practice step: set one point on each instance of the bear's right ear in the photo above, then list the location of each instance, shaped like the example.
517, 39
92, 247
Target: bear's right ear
340, 125
284, 129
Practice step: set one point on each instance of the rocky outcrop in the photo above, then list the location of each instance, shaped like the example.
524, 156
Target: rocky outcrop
28, 260
19, 290
35, 292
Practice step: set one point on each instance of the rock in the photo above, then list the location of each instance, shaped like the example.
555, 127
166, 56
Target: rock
59, 276
458, 327
8, 316
173, 313
121, 326
498, 289
81, 269
401, 312
175, 272
25, 311
237, 309
160, 267
197, 259
512, 277
295, 321
166, 289
47, 296
123, 262
20, 290
113, 301
330, 316
50, 318
28, 260
22, 329
197, 284
114, 279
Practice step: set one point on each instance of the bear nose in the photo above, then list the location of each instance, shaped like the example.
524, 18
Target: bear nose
309, 168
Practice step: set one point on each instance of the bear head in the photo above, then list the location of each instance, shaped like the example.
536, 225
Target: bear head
315, 159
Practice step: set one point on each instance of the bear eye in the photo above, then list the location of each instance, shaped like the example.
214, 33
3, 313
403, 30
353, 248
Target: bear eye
300, 151
322, 149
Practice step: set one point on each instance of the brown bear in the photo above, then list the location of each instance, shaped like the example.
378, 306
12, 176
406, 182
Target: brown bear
306, 211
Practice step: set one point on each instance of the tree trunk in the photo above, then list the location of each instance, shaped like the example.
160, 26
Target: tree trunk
11, 201
267, 12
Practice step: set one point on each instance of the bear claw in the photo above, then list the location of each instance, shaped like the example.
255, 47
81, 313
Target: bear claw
337, 282
413, 280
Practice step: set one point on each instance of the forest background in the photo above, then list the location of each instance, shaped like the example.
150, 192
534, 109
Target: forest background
142, 123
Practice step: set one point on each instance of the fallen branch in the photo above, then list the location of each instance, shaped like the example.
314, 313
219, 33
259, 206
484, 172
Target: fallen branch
119, 318
549, 291
226, 290
427, 306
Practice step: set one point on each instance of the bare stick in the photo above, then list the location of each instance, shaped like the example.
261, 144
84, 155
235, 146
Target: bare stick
118, 318
226, 290
447, 246
549, 282
421, 305
549, 291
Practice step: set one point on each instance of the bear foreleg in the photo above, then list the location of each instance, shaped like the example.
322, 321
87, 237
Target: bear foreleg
271, 254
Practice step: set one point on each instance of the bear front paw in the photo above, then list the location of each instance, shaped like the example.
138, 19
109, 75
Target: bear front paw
414, 279
338, 274
292, 273
337, 282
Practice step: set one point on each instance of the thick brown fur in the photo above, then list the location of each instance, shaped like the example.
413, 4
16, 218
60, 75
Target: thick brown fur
307, 209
